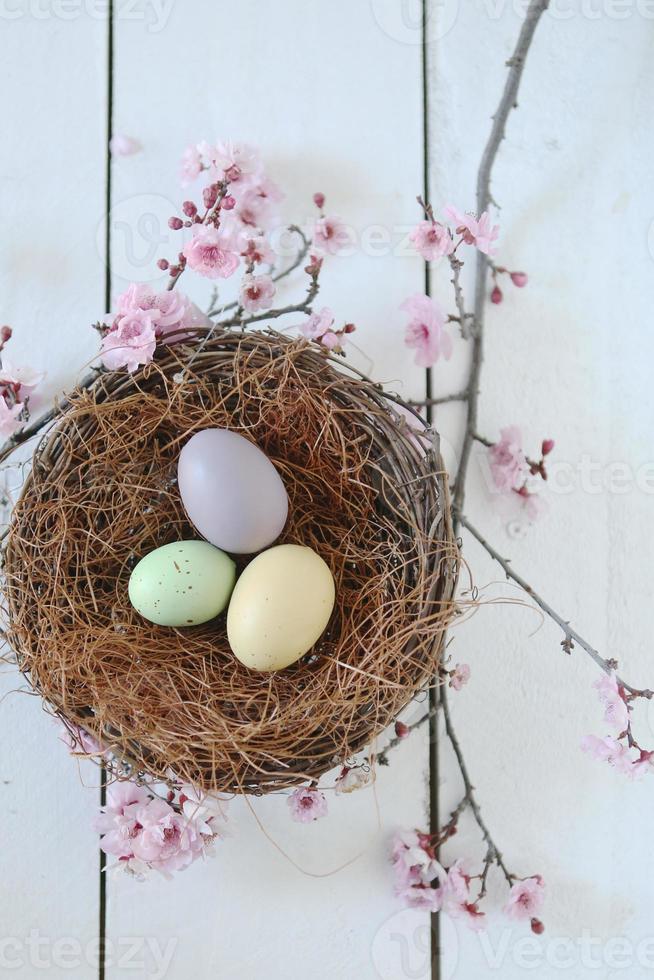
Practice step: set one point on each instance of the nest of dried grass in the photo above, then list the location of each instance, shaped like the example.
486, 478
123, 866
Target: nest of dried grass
367, 493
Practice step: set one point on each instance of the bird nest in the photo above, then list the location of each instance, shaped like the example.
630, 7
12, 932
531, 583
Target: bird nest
367, 491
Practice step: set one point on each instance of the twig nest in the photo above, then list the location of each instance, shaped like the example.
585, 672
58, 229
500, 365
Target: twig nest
367, 493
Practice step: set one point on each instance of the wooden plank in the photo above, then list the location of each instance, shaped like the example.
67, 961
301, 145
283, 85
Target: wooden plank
53, 151
311, 85
566, 357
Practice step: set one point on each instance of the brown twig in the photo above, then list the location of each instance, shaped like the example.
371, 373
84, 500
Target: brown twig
462, 317
493, 854
508, 102
570, 634
459, 396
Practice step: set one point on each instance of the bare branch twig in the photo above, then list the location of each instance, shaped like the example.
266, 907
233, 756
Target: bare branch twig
508, 102
571, 635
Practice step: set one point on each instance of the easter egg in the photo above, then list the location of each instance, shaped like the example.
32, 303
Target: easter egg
280, 606
231, 491
182, 584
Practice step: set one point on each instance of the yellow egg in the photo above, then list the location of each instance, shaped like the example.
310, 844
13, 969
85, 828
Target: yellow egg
182, 584
280, 606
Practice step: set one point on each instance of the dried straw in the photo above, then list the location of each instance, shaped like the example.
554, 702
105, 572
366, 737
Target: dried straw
366, 492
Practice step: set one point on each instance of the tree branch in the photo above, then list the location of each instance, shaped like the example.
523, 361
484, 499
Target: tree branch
508, 102
459, 396
493, 855
571, 635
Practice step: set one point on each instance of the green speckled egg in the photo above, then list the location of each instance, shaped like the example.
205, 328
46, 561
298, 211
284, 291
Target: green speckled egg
182, 584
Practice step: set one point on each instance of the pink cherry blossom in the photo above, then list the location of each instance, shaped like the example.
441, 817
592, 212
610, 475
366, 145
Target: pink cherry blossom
137, 296
267, 189
170, 310
432, 240
118, 819
331, 235
456, 885
148, 833
421, 896
307, 804
526, 898
616, 712
165, 839
460, 676
130, 342
256, 292
425, 331
318, 324
208, 812
258, 250
332, 341
508, 463
456, 901
211, 253
9, 418
422, 882
608, 750
191, 166
26, 379
255, 211
351, 779
123, 146
469, 914
415, 868
475, 231
236, 159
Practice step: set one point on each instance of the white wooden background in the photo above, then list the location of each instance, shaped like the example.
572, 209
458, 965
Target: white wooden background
332, 92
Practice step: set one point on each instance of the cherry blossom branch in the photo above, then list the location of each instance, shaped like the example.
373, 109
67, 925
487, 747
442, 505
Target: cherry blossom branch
493, 854
508, 102
464, 318
238, 320
297, 261
469, 800
571, 637
34, 428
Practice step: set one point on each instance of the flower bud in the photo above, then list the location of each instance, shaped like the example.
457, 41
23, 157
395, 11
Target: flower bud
547, 447
229, 203
175, 223
402, 730
537, 927
189, 209
496, 295
210, 195
163, 264
319, 200
519, 279
5, 334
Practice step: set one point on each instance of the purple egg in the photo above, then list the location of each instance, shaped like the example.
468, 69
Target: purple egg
231, 491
